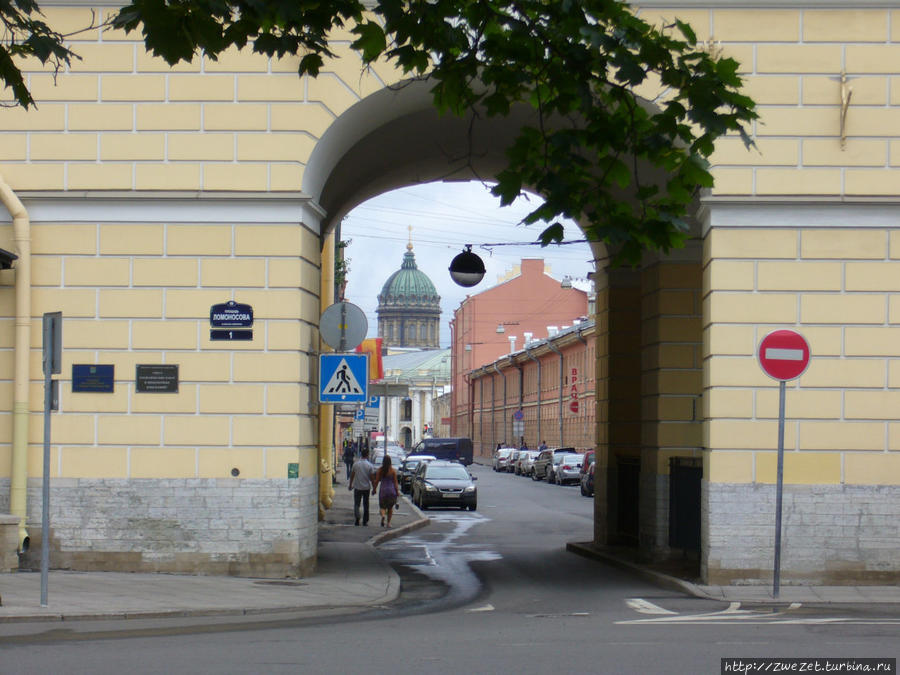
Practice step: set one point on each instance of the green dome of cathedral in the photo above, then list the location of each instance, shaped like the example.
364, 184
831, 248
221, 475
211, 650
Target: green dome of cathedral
409, 286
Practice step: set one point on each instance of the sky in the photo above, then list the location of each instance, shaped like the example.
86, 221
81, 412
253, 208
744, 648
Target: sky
444, 218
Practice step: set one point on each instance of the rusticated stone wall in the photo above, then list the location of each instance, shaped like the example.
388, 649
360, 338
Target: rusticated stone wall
253, 527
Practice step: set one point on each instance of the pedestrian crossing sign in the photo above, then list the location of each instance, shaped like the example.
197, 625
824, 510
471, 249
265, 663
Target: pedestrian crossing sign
343, 378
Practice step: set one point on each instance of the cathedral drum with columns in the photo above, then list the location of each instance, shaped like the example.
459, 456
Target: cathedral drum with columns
409, 308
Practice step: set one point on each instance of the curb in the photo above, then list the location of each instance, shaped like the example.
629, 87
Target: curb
587, 550
393, 533
63, 617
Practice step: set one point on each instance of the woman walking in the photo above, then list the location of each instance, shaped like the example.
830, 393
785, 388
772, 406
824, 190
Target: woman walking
389, 490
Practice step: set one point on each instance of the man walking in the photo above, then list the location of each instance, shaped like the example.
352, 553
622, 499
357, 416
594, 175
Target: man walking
361, 483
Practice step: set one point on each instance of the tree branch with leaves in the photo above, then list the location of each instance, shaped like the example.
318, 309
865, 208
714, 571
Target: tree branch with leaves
598, 148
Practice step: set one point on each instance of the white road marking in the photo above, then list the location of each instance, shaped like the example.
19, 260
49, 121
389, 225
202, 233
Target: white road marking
487, 608
646, 607
734, 614
729, 615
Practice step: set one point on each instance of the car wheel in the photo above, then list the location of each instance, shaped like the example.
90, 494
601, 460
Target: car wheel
534, 475
583, 491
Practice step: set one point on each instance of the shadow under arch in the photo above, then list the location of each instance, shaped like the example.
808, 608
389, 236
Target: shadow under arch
394, 138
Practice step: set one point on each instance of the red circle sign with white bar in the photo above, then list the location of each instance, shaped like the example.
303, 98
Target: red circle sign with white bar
784, 354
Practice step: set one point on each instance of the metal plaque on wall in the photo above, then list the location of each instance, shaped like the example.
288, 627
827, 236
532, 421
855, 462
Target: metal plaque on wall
156, 378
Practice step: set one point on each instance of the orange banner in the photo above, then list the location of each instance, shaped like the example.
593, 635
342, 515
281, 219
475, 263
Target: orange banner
372, 347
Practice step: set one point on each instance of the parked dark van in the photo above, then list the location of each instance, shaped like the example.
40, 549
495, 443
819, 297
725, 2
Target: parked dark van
453, 449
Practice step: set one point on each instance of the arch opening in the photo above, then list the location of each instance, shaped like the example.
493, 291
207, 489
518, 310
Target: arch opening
395, 139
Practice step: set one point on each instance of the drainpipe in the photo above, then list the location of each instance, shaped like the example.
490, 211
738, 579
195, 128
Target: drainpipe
326, 412
470, 406
583, 340
505, 412
520, 368
18, 490
554, 349
539, 384
481, 416
493, 411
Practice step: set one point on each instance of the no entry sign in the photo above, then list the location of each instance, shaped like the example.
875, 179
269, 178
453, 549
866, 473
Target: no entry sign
783, 354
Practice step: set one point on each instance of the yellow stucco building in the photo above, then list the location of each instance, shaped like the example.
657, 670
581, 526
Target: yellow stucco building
138, 196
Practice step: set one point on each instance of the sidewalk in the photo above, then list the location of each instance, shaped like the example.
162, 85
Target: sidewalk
744, 594
350, 577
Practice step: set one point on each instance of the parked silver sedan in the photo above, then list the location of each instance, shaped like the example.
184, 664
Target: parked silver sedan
525, 462
567, 469
501, 458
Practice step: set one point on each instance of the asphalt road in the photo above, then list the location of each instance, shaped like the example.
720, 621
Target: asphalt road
490, 592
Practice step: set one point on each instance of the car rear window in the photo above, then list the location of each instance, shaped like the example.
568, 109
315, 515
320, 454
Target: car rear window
452, 472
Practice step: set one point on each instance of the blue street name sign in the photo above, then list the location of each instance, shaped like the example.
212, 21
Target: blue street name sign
343, 378
231, 314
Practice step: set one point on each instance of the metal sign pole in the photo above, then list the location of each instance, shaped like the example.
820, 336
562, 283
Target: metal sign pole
779, 482
343, 345
45, 487
783, 355
52, 348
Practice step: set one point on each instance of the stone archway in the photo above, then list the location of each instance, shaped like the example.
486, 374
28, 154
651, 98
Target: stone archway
395, 138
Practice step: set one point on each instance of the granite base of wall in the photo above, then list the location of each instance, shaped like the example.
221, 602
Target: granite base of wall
259, 528
9, 535
654, 516
831, 534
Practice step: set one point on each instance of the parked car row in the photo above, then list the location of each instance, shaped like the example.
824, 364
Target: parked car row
555, 465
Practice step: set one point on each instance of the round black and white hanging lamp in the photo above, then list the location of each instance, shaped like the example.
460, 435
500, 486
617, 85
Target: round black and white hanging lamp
467, 269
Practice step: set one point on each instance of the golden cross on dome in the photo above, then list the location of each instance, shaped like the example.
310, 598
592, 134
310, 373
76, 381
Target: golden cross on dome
409, 245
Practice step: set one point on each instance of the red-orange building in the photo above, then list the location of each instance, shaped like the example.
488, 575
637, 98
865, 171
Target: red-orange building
543, 392
500, 320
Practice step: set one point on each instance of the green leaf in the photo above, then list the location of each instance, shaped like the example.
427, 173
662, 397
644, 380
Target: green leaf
595, 150
555, 233
371, 42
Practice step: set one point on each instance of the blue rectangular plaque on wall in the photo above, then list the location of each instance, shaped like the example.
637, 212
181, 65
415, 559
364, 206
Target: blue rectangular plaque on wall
93, 379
